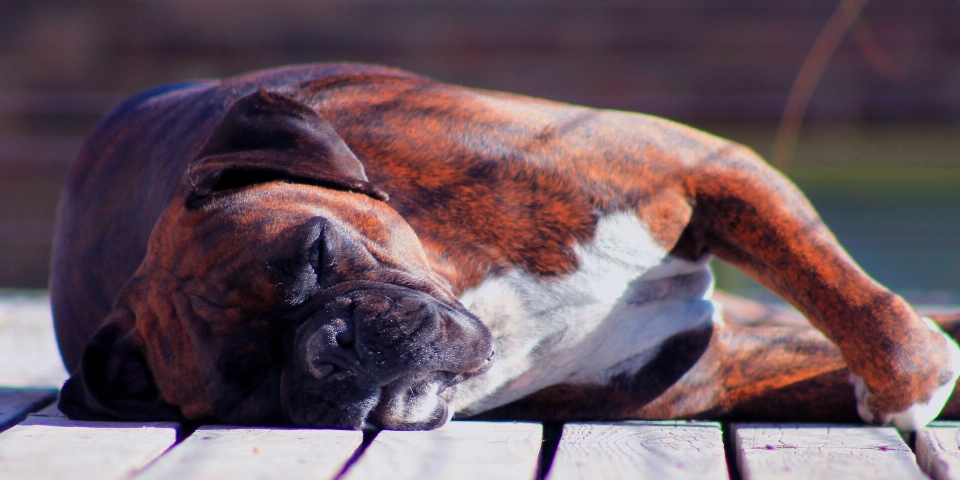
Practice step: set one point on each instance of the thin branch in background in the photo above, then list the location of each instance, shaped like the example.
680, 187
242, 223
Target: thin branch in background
808, 77
880, 60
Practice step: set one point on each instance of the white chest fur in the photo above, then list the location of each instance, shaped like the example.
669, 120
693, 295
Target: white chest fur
608, 317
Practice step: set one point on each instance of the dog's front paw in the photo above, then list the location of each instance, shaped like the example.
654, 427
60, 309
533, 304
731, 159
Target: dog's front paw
919, 414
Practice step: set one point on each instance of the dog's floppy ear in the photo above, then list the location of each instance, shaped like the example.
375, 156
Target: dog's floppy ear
268, 136
113, 381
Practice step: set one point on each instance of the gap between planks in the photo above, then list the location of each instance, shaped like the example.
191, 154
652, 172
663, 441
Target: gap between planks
463, 450
938, 450
47, 445
236, 452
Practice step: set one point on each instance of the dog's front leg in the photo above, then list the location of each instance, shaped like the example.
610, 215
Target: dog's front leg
903, 367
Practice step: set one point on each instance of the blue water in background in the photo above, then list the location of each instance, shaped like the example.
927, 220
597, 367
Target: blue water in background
911, 248
902, 225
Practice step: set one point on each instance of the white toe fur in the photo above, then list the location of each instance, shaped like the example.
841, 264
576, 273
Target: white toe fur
860, 391
919, 414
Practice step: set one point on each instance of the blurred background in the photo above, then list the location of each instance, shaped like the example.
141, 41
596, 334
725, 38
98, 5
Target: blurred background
878, 152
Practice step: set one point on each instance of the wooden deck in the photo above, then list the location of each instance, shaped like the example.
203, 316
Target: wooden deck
38, 442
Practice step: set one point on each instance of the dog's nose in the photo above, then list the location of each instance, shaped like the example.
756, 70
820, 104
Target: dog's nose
330, 348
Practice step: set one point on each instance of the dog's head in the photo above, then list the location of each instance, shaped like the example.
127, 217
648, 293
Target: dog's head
280, 288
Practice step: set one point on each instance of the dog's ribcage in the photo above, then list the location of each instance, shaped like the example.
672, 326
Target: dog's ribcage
607, 318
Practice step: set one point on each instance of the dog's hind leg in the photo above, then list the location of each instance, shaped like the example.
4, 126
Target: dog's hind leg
713, 372
716, 372
763, 374
771, 374
751, 216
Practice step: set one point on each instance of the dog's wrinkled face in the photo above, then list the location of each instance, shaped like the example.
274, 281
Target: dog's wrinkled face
268, 300
332, 292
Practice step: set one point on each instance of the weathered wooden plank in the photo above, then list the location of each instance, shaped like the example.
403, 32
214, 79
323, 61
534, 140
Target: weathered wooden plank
462, 450
938, 450
51, 446
16, 403
804, 451
28, 349
231, 452
656, 450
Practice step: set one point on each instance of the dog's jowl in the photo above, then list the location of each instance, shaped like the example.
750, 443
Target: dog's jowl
350, 246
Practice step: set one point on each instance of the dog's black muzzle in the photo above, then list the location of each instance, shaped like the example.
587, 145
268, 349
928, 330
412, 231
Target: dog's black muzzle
382, 355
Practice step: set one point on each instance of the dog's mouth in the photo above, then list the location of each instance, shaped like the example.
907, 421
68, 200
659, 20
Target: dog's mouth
388, 358
411, 402
412, 405
348, 399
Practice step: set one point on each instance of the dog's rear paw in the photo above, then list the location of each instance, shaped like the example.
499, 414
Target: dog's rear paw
919, 414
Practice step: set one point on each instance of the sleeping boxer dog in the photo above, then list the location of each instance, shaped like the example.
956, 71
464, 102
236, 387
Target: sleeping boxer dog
353, 246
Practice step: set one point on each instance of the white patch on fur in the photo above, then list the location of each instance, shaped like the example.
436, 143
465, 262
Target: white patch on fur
607, 318
919, 414
418, 407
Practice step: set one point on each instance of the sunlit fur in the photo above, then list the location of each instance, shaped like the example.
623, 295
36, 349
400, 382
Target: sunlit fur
607, 318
